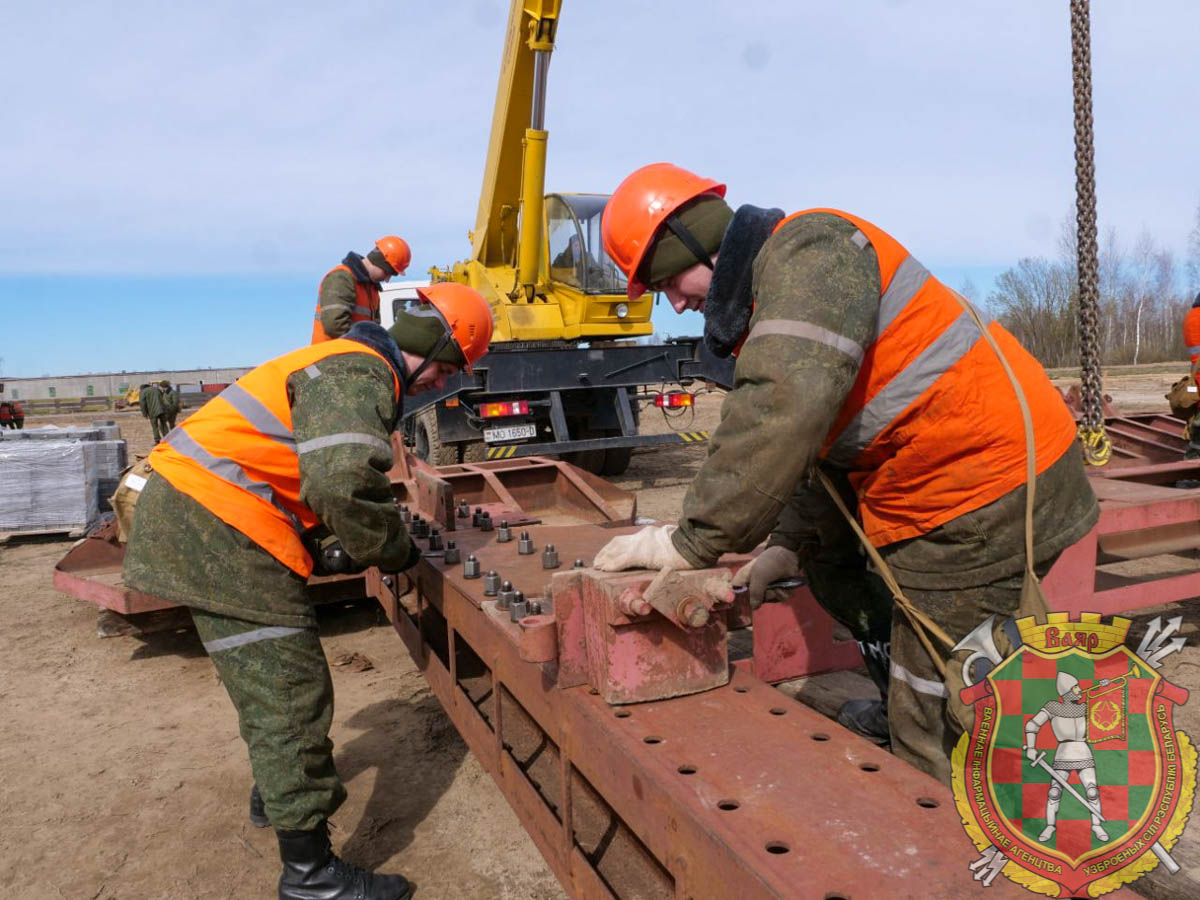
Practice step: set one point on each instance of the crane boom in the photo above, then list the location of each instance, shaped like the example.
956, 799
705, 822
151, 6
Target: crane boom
519, 111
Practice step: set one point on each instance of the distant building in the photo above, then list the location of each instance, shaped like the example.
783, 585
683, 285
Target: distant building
112, 384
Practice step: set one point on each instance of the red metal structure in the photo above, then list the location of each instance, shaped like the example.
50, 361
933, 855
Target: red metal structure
647, 758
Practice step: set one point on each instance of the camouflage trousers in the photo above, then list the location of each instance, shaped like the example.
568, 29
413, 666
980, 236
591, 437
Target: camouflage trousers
858, 599
1193, 436
279, 683
925, 715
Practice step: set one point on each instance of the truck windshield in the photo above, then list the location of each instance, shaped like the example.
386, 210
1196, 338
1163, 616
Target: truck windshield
577, 254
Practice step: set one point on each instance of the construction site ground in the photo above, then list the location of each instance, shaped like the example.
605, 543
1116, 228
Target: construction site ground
122, 775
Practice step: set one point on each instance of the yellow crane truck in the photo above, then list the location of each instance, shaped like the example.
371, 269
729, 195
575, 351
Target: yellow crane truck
571, 351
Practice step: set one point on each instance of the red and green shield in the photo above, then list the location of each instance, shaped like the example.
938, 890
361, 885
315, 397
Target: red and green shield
1140, 769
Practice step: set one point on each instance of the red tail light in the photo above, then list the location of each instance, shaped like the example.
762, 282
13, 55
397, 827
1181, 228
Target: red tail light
495, 410
674, 400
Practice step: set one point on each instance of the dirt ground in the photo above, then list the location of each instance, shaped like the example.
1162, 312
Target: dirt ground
122, 774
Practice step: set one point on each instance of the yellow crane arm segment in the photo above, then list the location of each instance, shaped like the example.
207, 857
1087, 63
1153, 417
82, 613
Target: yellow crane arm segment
517, 126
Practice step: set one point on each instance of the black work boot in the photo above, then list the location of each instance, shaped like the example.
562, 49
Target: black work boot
311, 871
258, 811
866, 717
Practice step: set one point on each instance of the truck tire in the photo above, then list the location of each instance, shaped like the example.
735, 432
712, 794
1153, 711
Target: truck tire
588, 460
425, 440
474, 451
616, 460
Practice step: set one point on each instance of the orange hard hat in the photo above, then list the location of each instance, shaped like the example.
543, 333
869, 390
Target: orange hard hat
466, 315
395, 250
640, 206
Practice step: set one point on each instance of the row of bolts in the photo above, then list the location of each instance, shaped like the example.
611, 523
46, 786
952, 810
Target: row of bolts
507, 598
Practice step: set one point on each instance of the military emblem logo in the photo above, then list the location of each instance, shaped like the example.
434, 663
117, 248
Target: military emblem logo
1073, 781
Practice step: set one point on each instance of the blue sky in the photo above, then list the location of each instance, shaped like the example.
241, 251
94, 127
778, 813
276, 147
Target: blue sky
177, 177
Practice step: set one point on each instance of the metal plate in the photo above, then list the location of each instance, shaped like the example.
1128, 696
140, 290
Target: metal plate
509, 433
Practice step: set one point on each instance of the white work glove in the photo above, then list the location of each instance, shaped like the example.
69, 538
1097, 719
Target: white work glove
773, 564
650, 548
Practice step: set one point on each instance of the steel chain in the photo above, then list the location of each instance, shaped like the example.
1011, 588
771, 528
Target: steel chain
1096, 445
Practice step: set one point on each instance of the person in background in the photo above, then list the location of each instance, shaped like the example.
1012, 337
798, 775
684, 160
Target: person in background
349, 292
171, 403
18, 415
150, 402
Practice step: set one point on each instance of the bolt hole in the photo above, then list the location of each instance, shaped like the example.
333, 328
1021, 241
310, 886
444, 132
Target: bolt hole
652, 739
870, 767
834, 895
687, 770
820, 736
927, 803
622, 714
593, 691
740, 690
778, 847
727, 805
778, 711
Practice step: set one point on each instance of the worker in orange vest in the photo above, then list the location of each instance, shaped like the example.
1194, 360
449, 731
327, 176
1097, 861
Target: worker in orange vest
856, 364
349, 292
280, 476
18, 415
6, 416
1191, 340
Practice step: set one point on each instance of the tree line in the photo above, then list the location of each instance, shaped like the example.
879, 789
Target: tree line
1144, 295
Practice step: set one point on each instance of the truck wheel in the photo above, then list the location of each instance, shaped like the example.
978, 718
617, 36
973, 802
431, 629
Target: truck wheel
426, 444
588, 460
474, 451
616, 460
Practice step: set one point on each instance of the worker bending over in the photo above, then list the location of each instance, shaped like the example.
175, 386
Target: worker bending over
281, 475
349, 292
853, 358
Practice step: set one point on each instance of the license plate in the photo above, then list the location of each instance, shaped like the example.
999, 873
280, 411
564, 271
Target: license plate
509, 433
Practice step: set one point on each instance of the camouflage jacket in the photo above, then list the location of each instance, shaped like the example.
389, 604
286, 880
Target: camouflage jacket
150, 401
343, 482
170, 399
786, 396
338, 297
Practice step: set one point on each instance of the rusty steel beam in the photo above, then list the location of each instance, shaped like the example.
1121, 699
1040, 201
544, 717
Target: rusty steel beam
732, 791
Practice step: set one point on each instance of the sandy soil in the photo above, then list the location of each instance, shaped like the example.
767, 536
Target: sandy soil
122, 774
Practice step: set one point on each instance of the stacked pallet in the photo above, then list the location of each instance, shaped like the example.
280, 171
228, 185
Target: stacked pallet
58, 479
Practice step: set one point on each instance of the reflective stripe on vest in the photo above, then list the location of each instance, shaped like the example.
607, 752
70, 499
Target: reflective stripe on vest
237, 455
931, 428
365, 309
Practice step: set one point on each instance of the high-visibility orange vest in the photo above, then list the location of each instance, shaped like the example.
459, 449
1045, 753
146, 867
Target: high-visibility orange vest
1191, 335
931, 428
236, 456
366, 304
